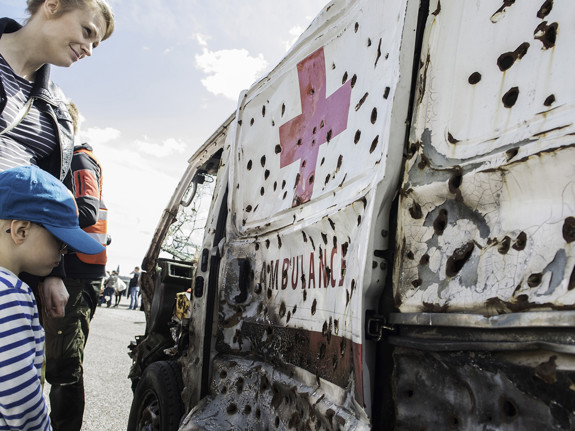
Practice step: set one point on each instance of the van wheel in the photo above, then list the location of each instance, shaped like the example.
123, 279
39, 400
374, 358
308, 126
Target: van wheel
157, 404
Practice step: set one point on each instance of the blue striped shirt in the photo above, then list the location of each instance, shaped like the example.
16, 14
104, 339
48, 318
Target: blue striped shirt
22, 404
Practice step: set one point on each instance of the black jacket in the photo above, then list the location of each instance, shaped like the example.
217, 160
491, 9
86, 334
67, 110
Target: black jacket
50, 99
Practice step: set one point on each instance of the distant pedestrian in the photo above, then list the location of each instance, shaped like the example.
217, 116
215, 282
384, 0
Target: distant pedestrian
134, 288
110, 288
38, 222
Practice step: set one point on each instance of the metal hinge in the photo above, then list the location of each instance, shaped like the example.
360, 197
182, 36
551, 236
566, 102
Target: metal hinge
376, 326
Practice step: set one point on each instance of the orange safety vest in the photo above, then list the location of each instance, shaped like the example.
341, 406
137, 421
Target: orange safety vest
99, 230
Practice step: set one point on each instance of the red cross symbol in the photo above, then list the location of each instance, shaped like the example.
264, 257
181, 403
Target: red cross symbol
320, 121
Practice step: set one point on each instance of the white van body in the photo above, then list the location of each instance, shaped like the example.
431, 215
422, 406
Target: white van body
390, 237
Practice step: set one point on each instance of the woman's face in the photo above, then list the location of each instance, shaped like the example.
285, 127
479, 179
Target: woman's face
72, 36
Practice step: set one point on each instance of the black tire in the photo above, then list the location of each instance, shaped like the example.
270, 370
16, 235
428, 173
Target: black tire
157, 404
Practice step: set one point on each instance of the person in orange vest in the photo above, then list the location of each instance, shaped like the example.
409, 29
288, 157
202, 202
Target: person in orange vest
66, 337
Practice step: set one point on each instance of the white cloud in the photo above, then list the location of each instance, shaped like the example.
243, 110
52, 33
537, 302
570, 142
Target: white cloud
294, 32
229, 70
167, 147
97, 136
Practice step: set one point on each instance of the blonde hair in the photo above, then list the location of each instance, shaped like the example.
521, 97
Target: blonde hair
75, 114
68, 5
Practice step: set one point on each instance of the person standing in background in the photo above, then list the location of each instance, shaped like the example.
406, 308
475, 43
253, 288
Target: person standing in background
66, 336
134, 288
35, 126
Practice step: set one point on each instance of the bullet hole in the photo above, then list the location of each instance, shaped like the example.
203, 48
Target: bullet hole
283, 184
263, 111
249, 208
328, 136
232, 409
423, 162
266, 174
313, 307
275, 186
440, 222
534, 280
278, 149
509, 154
344, 78
262, 191
474, 78
304, 295
322, 350
409, 393
386, 92
339, 161
437, 10
504, 245
569, 229
374, 144
240, 385
322, 161
353, 80
247, 410
358, 220
263, 161
550, 100
258, 414
327, 178
357, 137
294, 309
311, 178
360, 103
410, 255
459, 257
267, 243
520, 242
324, 237
547, 34
312, 91
424, 259
417, 283
223, 374
373, 115
545, 9
374, 264
506, 60
257, 247
288, 316
415, 211
279, 242
455, 180
269, 293
508, 409
510, 97
298, 143
356, 27
249, 165
252, 121
332, 224
451, 139
224, 390
368, 42
283, 109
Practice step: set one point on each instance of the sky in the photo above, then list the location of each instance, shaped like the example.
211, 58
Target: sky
151, 94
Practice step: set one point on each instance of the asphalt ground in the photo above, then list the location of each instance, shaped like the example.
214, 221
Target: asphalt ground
106, 367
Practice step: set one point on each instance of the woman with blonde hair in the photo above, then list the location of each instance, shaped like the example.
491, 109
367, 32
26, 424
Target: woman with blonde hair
35, 125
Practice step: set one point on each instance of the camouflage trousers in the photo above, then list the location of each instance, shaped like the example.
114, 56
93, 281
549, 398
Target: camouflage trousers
64, 346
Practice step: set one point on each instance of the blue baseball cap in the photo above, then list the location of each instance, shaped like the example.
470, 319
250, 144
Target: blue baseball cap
31, 194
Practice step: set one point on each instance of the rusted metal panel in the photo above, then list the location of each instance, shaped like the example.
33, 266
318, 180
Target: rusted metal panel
470, 391
488, 197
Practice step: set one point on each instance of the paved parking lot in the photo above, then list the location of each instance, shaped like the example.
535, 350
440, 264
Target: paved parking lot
106, 367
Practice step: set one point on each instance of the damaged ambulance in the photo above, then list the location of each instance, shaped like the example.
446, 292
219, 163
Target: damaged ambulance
389, 239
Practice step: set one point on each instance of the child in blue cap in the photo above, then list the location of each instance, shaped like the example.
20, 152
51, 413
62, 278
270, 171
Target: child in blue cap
38, 224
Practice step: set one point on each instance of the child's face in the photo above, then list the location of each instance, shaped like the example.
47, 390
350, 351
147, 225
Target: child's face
43, 251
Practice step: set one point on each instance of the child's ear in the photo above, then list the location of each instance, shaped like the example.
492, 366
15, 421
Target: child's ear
19, 230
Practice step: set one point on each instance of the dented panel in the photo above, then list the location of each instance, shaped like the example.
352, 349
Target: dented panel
488, 197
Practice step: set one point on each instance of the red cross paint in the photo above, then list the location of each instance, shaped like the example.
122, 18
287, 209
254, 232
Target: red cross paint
320, 121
